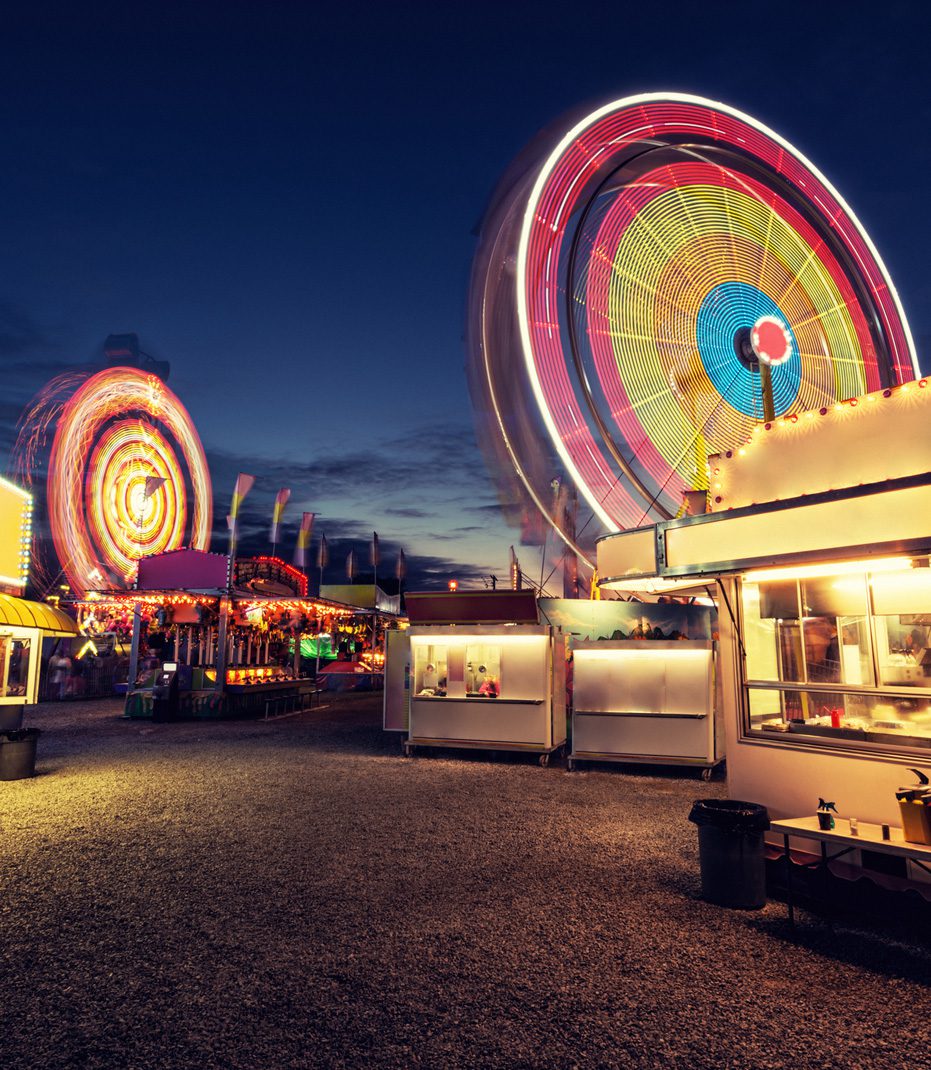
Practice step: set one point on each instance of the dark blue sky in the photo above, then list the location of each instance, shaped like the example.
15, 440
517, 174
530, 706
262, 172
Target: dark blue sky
280, 199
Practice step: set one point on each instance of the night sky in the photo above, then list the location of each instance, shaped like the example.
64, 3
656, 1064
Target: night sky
281, 199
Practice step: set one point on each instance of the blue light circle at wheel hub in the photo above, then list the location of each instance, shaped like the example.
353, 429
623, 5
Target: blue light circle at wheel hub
728, 310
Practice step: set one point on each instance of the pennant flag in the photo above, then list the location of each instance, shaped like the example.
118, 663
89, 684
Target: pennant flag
323, 553
402, 565
303, 539
281, 500
152, 483
244, 484
351, 565
374, 552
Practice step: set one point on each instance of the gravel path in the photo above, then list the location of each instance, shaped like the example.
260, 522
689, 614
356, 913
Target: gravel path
297, 894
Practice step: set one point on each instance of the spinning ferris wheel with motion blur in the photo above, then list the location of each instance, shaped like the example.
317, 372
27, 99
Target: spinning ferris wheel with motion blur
652, 281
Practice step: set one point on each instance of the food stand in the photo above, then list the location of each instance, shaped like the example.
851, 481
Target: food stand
396, 699
818, 538
644, 687
646, 701
485, 674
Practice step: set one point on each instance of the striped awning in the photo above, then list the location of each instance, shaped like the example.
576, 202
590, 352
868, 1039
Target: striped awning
20, 613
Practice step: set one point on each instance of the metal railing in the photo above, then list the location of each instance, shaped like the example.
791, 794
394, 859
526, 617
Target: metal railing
294, 702
96, 680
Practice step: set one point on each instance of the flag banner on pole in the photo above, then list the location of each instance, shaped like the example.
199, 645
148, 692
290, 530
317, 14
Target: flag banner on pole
351, 565
323, 553
303, 539
402, 565
281, 500
375, 551
244, 484
152, 483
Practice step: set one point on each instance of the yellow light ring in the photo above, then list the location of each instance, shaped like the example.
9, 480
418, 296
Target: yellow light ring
670, 252
118, 427
121, 518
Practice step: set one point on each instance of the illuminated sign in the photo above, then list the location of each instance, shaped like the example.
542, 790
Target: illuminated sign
270, 576
15, 536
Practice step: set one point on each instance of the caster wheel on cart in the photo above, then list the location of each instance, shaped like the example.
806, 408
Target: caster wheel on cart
570, 765
706, 774
544, 760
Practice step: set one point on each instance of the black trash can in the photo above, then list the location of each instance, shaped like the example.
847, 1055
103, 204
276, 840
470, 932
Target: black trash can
18, 753
730, 848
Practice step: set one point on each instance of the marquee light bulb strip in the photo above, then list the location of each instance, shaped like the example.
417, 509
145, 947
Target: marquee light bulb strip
121, 433
660, 231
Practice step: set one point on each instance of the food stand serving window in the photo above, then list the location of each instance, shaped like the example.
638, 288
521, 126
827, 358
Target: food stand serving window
14, 667
839, 657
441, 671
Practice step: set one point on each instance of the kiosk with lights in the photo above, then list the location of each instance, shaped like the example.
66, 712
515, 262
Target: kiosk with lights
485, 674
637, 701
643, 682
819, 540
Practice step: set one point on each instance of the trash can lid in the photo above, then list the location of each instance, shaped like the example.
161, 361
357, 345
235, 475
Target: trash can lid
733, 815
17, 735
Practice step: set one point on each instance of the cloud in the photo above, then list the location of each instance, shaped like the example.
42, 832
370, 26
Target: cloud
427, 466
407, 513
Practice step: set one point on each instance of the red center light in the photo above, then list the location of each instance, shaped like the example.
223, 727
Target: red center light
454, 585
771, 340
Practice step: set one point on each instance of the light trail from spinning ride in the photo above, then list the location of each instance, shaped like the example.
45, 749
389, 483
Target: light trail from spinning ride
629, 277
124, 452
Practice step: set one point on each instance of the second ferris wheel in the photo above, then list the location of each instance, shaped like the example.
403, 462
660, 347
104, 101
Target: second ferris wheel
654, 280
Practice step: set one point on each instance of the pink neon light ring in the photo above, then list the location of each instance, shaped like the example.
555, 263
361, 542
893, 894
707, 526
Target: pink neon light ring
756, 164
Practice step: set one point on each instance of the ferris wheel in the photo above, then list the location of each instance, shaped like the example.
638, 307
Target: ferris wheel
127, 474
650, 284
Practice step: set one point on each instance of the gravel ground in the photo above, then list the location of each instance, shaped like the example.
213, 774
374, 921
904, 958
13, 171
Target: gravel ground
296, 894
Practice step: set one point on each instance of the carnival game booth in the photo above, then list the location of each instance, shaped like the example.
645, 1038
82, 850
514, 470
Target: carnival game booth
201, 649
644, 687
358, 662
818, 538
485, 673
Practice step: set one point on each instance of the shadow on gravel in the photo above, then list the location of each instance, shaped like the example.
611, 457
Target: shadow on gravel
647, 769
873, 947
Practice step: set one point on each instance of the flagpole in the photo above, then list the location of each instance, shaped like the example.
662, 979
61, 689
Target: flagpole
319, 595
